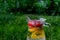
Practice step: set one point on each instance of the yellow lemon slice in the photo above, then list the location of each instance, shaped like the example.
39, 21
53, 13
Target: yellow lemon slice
34, 36
33, 29
38, 34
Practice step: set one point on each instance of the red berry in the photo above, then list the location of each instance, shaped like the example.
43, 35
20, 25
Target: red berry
34, 23
38, 24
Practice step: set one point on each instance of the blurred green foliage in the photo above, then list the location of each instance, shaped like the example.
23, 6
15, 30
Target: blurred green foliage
48, 7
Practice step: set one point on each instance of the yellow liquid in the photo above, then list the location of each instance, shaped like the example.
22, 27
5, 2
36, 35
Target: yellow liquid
37, 33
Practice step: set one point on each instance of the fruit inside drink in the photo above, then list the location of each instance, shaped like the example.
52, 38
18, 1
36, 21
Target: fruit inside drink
35, 29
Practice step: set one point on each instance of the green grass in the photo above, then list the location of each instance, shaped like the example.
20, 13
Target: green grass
14, 27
